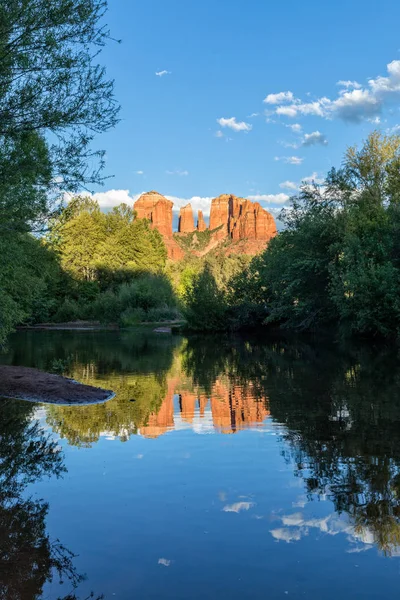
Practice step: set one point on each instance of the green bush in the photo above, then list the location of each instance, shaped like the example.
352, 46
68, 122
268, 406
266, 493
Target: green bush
107, 307
132, 316
69, 310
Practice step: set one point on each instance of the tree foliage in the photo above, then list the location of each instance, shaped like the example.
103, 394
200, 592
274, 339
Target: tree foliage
337, 261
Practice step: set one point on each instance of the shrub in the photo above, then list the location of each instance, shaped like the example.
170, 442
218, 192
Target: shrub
107, 307
132, 316
69, 310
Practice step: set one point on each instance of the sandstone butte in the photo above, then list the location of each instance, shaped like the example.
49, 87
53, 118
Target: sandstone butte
245, 223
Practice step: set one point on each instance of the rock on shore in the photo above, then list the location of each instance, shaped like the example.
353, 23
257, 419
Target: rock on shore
25, 383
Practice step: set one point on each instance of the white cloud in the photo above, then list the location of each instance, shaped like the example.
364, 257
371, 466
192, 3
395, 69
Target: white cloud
270, 198
162, 73
354, 103
289, 185
112, 198
375, 120
316, 108
238, 507
394, 129
314, 138
252, 115
291, 160
233, 124
139, 172
293, 145
178, 172
279, 98
296, 127
219, 134
198, 203
349, 84
313, 178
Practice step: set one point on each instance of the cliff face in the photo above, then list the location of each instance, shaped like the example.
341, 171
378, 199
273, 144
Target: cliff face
219, 214
245, 223
201, 224
157, 209
186, 221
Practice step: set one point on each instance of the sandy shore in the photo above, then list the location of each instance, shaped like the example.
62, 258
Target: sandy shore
25, 383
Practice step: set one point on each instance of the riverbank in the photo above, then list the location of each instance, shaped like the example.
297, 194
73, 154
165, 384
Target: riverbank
25, 383
96, 326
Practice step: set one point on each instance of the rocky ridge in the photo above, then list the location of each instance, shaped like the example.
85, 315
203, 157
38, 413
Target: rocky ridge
245, 225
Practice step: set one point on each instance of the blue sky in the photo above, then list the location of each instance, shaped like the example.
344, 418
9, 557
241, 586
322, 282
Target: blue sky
243, 97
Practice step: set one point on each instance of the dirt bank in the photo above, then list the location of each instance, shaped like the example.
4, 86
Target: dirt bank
37, 386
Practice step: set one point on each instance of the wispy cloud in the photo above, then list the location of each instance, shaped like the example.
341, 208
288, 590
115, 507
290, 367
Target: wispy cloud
270, 198
139, 172
290, 160
233, 124
178, 172
162, 73
165, 562
349, 84
219, 134
279, 98
314, 178
238, 507
289, 185
295, 127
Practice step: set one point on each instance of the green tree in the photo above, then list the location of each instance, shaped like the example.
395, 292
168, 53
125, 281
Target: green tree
204, 303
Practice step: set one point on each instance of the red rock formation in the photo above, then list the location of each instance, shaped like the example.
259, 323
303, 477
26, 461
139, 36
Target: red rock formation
157, 209
219, 213
186, 221
246, 223
248, 220
201, 224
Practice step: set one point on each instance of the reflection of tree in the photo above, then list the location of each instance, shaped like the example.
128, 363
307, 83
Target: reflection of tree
27, 556
137, 396
339, 406
342, 416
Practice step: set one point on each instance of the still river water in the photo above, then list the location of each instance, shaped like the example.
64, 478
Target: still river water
223, 468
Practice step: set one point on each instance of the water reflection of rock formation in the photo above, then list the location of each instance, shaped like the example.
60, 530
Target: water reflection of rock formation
229, 408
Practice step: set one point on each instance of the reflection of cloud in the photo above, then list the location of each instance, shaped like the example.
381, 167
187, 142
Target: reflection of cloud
287, 534
301, 502
297, 526
238, 507
165, 562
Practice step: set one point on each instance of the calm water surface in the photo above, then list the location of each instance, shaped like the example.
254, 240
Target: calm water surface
223, 468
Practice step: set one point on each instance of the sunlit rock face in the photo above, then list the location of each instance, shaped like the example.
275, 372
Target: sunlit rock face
186, 221
157, 209
246, 224
219, 213
201, 224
